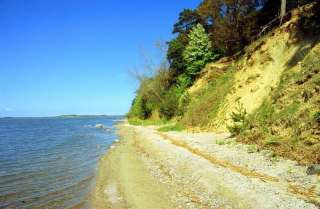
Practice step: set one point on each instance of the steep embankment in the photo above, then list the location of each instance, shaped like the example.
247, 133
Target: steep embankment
150, 169
252, 77
277, 83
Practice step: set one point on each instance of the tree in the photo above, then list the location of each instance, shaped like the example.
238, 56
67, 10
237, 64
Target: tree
198, 52
283, 9
233, 22
175, 51
188, 18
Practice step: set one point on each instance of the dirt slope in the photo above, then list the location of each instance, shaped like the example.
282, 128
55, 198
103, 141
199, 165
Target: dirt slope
256, 74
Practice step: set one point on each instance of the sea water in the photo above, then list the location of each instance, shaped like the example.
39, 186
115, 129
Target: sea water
51, 162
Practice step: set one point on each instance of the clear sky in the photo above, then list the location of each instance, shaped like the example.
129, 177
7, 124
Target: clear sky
73, 56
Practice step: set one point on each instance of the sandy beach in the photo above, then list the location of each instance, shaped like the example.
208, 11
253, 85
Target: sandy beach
147, 169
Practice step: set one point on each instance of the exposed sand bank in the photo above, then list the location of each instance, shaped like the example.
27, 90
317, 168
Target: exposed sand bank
151, 170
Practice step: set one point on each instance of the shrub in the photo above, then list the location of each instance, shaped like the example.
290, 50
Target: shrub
151, 93
140, 122
139, 108
316, 116
183, 103
240, 114
168, 106
175, 127
272, 142
239, 119
184, 81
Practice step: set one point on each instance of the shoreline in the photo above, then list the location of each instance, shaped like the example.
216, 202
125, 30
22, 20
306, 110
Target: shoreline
120, 177
149, 169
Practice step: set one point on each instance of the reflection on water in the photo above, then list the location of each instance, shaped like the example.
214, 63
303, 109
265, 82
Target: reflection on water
51, 162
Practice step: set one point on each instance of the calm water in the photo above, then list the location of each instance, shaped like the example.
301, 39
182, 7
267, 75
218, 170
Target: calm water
51, 162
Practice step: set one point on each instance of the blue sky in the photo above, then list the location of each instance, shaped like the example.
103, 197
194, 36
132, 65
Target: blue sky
73, 56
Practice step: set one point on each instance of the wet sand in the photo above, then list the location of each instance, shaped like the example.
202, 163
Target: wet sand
124, 181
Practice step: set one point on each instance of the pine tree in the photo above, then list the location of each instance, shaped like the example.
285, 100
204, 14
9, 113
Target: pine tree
198, 51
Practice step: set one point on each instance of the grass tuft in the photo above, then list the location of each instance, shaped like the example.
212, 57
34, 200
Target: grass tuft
175, 127
140, 122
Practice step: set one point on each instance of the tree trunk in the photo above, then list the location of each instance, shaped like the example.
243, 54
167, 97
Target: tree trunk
283, 9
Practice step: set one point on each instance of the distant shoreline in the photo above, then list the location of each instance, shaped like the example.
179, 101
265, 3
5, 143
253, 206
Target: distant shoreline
62, 116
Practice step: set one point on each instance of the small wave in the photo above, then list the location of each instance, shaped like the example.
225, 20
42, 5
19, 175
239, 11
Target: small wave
119, 120
101, 127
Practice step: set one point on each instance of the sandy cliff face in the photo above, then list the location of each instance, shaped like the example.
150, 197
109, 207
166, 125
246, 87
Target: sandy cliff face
258, 72
276, 82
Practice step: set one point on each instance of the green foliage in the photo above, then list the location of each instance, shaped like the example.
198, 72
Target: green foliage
252, 148
234, 22
198, 52
168, 106
151, 94
175, 127
240, 114
188, 18
183, 104
204, 35
175, 51
139, 108
184, 81
140, 122
224, 142
316, 116
273, 141
239, 119
204, 107
288, 120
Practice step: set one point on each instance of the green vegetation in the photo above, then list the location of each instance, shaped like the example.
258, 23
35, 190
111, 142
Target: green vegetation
317, 116
288, 121
203, 35
198, 52
239, 119
205, 105
139, 122
165, 94
175, 127
193, 91
224, 142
